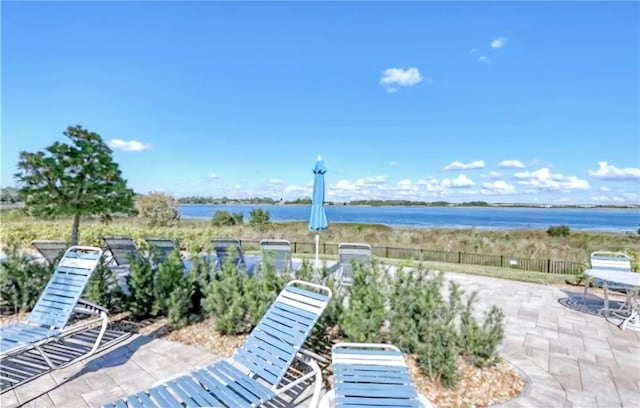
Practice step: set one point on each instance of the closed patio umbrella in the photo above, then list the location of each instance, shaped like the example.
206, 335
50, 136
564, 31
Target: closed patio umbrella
318, 219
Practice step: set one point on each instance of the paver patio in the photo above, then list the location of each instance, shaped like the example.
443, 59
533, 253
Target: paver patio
571, 359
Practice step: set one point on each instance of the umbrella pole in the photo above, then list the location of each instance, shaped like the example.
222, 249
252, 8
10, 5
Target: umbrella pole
317, 250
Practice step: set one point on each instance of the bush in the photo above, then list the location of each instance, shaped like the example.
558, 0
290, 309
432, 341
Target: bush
422, 320
261, 290
168, 277
222, 217
363, 319
140, 281
21, 279
180, 304
479, 343
158, 208
225, 300
260, 218
103, 289
558, 231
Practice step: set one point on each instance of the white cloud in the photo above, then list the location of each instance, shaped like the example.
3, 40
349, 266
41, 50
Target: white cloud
275, 181
458, 182
543, 180
610, 172
497, 187
511, 164
392, 78
492, 175
393, 164
130, 146
498, 42
604, 189
484, 59
473, 51
478, 164
213, 176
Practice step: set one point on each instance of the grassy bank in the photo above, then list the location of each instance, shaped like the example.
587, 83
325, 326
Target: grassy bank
196, 234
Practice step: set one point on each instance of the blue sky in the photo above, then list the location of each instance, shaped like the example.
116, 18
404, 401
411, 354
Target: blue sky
495, 101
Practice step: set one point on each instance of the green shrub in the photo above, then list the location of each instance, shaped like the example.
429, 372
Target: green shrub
558, 231
225, 300
261, 290
158, 208
180, 304
140, 280
260, 219
200, 275
438, 354
168, 277
222, 217
479, 343
363, 318
21, 280
103, 290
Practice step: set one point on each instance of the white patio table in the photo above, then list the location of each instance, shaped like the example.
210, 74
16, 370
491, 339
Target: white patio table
629, 279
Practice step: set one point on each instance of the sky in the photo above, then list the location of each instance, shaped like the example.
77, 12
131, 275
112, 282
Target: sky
530, 102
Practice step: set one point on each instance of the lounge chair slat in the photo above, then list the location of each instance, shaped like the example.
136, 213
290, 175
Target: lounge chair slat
268, 373
361, 402
165, 399
222, 392
307, 293
256, 388
195, 391
304, 314
237, 385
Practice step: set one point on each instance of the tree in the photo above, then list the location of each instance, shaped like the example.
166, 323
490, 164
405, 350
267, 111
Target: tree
222, 217
158, 208
260, 218
77, 179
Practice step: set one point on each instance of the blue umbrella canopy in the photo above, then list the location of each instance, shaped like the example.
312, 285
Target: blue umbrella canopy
318, 219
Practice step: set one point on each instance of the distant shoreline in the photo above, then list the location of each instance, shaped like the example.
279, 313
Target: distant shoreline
576, 206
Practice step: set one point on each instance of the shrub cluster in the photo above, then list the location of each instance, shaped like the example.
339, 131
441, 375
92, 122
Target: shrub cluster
223, 217
158, 208
559, 231
409, 307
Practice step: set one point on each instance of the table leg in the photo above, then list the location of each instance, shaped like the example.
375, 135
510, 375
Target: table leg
606, 296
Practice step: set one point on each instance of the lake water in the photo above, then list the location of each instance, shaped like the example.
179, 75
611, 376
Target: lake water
445, 217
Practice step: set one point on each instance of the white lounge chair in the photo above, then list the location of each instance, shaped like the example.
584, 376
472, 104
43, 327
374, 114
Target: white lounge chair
348, 254
277, 251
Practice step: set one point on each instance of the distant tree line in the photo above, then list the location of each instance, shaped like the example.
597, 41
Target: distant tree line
227, 200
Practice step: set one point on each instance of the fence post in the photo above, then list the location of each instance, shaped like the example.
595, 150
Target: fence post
549, 265
324, 248
295, 247
459, 256
501, 261
386, 252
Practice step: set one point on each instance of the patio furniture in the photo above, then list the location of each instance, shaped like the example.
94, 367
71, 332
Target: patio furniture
224, 247
48, 322
161, 247
255, 374
611, 261
629, 312
51, 250
121, 247
348, 255
370, 375
278, 252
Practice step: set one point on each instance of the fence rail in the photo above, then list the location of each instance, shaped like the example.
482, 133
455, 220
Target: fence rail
419, 254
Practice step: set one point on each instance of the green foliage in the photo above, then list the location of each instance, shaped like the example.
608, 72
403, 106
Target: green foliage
260, 219
559, 231
102, 289
261, 290
180, 304
222, 217
438, 355
141, 285
77, 179
363, 319
479, 343
225, 300
423, 320
167, 278
157, 208
21, 280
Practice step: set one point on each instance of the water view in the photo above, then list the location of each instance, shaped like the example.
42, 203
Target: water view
591, 219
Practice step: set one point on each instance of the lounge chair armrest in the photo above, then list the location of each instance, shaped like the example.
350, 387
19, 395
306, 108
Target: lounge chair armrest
314, 356
316, 373
84, 306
